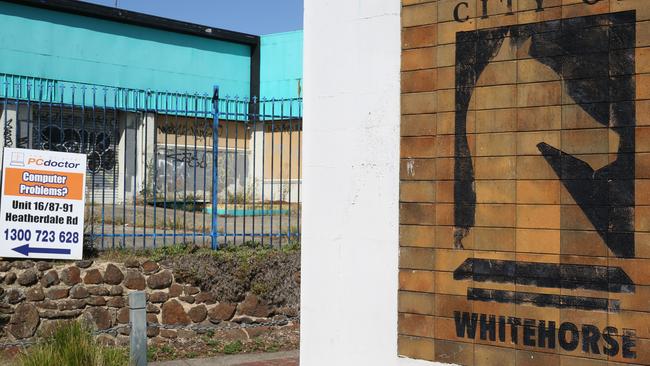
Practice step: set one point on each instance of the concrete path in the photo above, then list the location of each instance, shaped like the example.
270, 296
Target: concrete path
288, 358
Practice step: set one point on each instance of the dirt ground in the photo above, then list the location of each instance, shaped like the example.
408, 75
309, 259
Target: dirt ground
232, 342
142, 226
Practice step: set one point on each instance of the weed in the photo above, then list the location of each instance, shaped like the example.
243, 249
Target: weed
208, 337
160, 352
244, 196
258, 344
292, 246
233, 347
259, 288
152, 353
154, 254
273, 347
71, 344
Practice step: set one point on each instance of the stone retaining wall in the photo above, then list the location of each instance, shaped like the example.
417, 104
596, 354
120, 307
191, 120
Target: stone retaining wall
34, 295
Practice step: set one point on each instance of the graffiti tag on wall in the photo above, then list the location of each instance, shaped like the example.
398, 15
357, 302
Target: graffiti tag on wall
98, 145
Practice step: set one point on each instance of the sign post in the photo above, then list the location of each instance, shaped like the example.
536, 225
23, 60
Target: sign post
42, 205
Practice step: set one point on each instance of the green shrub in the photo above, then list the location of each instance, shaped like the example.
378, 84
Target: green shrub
233, 347
157, 353
71, 344
234, 270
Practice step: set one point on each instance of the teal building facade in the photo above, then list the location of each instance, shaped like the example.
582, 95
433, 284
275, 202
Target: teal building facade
76, 42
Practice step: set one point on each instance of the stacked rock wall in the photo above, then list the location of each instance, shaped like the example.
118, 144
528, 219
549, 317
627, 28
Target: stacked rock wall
35, 295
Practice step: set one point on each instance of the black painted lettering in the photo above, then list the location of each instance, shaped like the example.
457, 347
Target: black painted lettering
457, 9
502, 329
465, 323
590, 337
544, 333
591, 277
629, 342
488, 326
514, 323
485, 9
509, 5
572, 344
529, 332
611, 347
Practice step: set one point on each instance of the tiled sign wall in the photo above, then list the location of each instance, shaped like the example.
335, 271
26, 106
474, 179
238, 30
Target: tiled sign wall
525, 182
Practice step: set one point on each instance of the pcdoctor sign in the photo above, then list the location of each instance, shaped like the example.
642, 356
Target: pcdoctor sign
42, 206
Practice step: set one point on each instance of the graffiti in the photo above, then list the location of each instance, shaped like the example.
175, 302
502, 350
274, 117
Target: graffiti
602, 86
97, 145
7, 133
183, 169
192, 160
198, 129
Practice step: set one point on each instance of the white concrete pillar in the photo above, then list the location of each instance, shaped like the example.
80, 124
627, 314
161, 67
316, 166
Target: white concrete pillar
128, 156
145, 151
351, 172
258, 155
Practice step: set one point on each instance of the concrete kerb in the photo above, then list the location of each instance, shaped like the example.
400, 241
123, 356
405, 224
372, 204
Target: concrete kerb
232, 360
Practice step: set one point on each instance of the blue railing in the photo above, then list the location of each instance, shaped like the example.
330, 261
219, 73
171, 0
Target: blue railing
167, 168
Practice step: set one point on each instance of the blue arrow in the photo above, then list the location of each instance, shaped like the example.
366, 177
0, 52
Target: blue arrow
25, 250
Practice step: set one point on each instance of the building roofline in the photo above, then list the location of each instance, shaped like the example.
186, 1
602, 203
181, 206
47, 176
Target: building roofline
145, 20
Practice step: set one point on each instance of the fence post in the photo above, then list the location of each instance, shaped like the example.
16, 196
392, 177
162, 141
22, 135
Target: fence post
215, 166
138, 320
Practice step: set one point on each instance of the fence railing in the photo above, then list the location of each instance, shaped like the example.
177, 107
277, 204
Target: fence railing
168, 168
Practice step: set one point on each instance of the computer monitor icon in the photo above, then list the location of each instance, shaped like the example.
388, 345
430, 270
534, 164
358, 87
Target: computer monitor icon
17, 159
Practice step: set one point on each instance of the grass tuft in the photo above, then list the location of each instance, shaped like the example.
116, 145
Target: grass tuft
233, 348
71, 344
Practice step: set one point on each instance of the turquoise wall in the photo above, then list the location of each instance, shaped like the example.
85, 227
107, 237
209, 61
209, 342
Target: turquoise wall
60, 46
281, 65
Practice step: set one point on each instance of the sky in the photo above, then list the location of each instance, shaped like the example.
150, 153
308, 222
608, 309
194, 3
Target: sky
248, 16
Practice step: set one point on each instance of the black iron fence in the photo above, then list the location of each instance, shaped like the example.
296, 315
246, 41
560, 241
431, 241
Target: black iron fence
168, 168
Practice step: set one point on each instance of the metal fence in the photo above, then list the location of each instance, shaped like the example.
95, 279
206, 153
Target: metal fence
168, 168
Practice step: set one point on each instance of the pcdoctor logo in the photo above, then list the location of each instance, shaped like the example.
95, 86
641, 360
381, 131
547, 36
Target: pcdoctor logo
51, 163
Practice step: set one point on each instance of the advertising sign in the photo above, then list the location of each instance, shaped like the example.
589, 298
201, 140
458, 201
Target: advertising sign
42, 207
